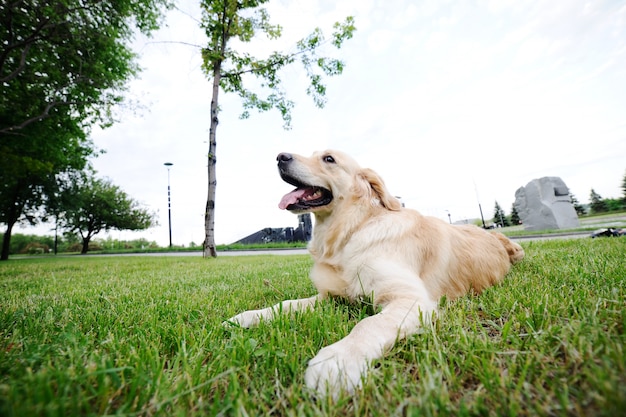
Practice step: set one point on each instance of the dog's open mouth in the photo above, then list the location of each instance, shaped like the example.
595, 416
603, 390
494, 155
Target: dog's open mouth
305, 197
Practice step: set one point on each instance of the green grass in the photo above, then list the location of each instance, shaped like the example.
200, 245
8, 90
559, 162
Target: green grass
142, 336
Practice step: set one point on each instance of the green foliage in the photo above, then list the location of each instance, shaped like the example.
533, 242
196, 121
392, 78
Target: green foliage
63, 66
143, 336
597, 203
225, 19
614, 204
93, 40
580, 210
71, 243
515, 220
308, 47
91, 205
25, 243
499, 217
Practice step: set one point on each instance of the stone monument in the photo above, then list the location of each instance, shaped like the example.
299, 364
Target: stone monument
544, 204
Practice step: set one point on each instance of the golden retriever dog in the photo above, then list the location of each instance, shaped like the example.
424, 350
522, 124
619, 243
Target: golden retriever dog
366, 245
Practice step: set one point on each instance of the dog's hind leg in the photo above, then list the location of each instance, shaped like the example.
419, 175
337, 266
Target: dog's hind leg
515, 251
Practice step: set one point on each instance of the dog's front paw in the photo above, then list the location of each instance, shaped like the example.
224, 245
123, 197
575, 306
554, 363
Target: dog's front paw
246, 319
338, 367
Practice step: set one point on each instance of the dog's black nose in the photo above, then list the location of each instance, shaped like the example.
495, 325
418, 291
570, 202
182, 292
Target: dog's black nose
283, 158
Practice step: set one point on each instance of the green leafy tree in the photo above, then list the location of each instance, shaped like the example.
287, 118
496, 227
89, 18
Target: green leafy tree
580, 210
93, 205
499, 217
597, 203
243, 20
63, 66
514, 216
614, 204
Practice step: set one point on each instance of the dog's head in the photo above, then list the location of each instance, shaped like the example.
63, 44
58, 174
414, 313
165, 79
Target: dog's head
329, 179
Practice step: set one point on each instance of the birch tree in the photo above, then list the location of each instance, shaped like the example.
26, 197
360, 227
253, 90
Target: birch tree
227, 20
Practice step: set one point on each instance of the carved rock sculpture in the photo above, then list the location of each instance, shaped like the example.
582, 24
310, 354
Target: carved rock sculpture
545, 204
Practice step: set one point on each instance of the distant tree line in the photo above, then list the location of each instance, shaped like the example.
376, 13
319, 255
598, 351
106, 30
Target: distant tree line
29, 244
597, 205
81, 207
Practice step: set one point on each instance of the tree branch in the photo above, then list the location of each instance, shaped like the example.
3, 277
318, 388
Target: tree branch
44, 114
177, 42
274, 63
50, 105
26, 43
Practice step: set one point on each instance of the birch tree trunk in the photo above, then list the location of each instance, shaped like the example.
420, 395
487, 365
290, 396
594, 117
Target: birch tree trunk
209, 214
224, 19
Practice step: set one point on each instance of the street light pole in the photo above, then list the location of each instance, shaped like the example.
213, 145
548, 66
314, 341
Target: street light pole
169, 207
479, 207
481, 215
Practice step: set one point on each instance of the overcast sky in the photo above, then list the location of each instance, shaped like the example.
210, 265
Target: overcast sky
451, 102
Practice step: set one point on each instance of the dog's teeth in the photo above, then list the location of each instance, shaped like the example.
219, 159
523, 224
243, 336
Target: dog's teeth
317, 194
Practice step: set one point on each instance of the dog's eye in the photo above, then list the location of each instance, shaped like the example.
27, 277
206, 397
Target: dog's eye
329, 159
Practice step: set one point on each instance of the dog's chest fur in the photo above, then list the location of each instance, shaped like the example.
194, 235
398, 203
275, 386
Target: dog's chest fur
342, 266
345, 275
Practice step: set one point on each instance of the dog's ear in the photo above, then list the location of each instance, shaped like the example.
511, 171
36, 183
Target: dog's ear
371, 186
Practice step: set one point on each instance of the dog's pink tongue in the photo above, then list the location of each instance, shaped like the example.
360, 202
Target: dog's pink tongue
291, 198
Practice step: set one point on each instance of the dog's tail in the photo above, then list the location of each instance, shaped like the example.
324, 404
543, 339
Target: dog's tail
515, 251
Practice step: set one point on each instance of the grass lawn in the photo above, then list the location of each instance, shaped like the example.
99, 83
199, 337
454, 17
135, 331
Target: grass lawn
142, 336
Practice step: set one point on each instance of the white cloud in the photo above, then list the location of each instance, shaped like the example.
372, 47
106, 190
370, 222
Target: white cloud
380, 40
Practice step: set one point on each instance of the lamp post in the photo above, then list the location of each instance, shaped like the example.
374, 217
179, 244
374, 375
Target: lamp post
169, 207
481, 215
449, 217
479, 206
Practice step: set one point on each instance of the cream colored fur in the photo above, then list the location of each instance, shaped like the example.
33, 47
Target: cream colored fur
366, 245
